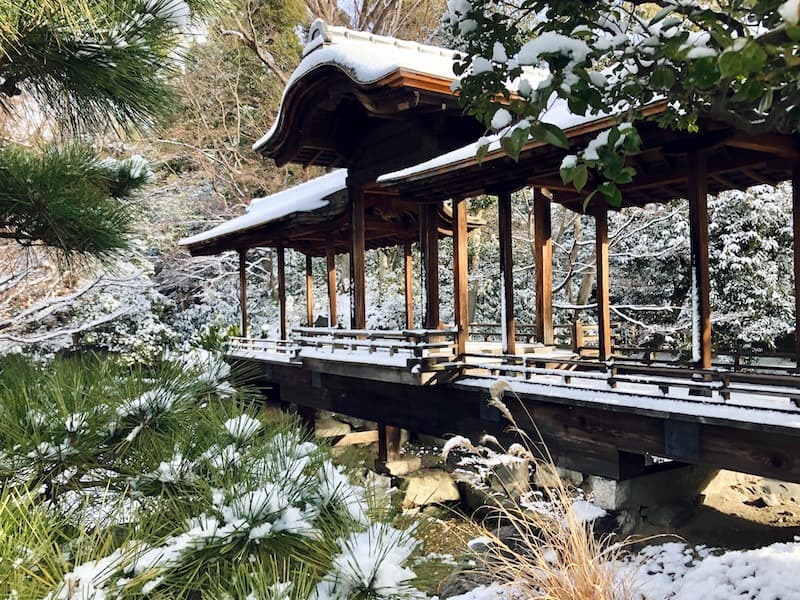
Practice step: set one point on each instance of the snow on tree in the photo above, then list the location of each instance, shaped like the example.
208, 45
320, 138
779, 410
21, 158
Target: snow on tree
731, 61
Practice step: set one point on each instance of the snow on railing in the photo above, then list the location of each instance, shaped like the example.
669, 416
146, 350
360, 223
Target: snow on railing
778, 392
419, 343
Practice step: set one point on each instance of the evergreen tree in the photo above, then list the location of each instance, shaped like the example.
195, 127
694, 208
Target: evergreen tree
89, 67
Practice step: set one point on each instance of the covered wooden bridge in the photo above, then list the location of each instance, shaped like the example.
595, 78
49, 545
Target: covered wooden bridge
380, 110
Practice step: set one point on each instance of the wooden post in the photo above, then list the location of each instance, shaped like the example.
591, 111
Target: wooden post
701, 283
601, 253
358, 309
577, 336
429, 214
460, 275
330, 259
388, 443
543, 263
243, 288
282, 289
796, 221
408, 268
309, 292
506, 273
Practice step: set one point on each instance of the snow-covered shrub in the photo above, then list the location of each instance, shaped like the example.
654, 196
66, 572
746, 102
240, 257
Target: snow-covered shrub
177, 491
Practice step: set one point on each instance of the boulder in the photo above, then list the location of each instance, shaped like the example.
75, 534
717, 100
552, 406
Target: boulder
431, 486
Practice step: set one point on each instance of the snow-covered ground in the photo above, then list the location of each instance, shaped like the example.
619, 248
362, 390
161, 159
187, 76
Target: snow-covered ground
676, 571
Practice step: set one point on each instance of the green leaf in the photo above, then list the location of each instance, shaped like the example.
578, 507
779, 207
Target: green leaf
611, 192
550, 134
663, 78
731, 63
706, 72
793, 31
481, 153
581, 177
588, 199
511, 146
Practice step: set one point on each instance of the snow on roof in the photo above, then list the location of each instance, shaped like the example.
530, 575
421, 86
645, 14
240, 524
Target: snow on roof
306, 197
557, 114
366, 57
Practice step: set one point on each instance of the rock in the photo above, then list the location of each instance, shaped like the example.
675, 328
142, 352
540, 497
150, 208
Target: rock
402, 467
381, 485
326, 427
429, 487
512, 478
462, 582
543, 477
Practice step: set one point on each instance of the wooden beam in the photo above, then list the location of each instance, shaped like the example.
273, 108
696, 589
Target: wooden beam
282, 289
243, 289
430, 250
543, 263
330, 260
701, 284
796, 222
309, 292
770, 143
603, 304
358, 310
506, 273
408, 271
388, 443
460, 274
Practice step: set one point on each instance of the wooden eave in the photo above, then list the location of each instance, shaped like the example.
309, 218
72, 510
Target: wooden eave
302, 137
390, 221
736, 161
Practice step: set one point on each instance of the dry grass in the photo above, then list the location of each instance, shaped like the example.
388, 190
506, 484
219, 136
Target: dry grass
552, 553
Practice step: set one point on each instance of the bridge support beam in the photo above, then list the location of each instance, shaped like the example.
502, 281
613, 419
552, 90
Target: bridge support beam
506, 273
429, 217
358, 310
330, 261
282, 289
243, 289
309, 292
701, 282
460, 275
543, 263
408, 272
796, 222
601, 257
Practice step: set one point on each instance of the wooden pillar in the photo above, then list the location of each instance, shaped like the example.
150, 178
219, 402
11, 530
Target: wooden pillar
506, 273
330, 259
701, 283
388, 443
603, 305
460, 274
282, 289
243, 288
429, 214
796, 221
543, 263
309, 292
358, 306
408, 271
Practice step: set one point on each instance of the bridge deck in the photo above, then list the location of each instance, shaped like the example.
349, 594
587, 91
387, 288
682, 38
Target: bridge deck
601, 418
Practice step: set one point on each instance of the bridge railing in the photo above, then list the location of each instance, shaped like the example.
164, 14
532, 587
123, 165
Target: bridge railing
417, 343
